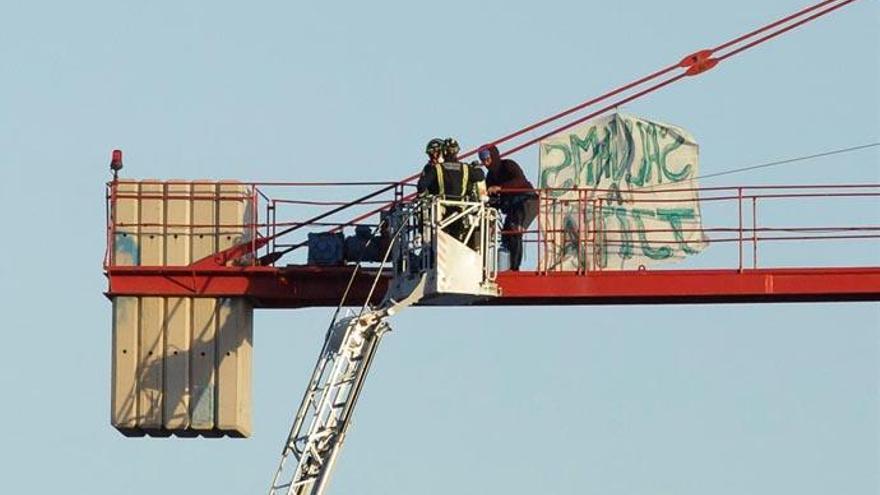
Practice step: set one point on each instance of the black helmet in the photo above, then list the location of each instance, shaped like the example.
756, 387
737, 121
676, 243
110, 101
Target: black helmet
450, 147
434, 146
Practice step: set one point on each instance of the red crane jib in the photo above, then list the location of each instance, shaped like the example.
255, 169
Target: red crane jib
309, 286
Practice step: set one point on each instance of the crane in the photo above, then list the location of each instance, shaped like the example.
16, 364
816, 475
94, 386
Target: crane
429, 265
270, 285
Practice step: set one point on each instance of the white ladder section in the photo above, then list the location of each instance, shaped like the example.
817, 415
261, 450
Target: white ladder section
325, 413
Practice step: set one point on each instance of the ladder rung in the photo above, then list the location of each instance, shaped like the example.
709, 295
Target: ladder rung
344, 381
309, 479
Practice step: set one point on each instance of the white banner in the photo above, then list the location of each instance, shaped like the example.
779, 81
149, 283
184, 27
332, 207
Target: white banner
623, 195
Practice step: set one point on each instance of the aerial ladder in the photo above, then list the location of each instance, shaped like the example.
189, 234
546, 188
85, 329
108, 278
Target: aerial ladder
441, 251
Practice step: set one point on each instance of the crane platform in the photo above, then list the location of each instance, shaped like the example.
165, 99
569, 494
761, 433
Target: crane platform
739, 272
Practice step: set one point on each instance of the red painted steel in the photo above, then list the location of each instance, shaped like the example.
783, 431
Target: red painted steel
691, 286
302, 286
266, 286
298, 286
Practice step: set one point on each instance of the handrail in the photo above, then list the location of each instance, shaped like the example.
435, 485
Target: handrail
274, 226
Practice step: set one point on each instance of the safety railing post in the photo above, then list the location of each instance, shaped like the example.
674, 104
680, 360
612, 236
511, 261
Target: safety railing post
581, 261
600, 219
254, 254
273, 224
740, 234
592, 235
163, 233
539, 244
555, 229
267, 225
543, 230
754, 232
589, 218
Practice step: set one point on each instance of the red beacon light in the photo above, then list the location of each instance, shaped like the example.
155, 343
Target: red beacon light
116, 163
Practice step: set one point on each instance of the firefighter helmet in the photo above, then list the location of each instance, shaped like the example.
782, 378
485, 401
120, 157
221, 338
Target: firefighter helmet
434, 146
450, 147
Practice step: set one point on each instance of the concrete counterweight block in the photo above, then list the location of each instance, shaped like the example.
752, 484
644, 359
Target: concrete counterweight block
180, 365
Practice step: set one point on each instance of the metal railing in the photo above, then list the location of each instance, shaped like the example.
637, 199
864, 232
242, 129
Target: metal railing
278, 217
581, 224
418, 223
743, 224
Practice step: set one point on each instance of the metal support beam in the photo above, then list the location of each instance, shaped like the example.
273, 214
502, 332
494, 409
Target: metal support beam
306, 286
692, 286
266, 287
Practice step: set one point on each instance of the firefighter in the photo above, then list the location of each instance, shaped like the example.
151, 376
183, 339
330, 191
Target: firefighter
449, 180
434, 150
450, 150
477, 188
516, 199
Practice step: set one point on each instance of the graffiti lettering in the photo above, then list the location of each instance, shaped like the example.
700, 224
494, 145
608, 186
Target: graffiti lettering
550, 172
616, 227
623, 234
653, 156
624, 163
674, 216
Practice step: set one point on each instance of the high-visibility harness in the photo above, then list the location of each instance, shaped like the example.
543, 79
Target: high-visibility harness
464, 180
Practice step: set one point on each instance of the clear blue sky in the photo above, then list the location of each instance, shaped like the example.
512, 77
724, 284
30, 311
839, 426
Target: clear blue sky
684, 400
